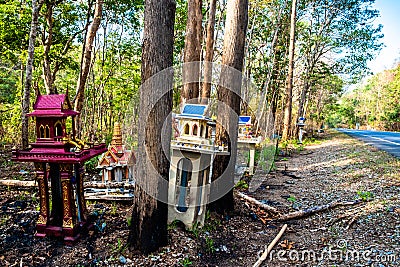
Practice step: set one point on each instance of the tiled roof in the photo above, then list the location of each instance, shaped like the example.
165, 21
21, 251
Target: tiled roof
49, 102
52, 106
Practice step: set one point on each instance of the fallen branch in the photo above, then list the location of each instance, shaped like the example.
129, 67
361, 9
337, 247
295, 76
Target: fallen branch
353, 220
270, 246
109, 185
310, 211
18, 183
258, 203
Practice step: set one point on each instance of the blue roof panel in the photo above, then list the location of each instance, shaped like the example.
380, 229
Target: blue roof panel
191, 109
244, 119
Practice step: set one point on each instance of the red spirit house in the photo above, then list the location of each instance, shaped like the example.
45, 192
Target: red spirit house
58, 157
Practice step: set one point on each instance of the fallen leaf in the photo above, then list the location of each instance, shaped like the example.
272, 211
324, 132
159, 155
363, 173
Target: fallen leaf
286, 244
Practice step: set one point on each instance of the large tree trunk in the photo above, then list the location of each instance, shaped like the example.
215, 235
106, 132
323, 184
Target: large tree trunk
192, 52
289, 82
149, 217
229, 104
36, 6
87, 56
206, 89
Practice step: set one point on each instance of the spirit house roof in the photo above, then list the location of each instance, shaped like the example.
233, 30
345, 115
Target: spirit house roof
52, 106
244, 120
193, 111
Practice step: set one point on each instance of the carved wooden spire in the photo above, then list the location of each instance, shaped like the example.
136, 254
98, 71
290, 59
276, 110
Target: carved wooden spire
117, 136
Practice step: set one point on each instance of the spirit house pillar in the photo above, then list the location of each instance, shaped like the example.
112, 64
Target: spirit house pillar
41, 177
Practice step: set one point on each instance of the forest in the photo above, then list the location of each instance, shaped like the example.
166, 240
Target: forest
136, 64
334, 40
373, 104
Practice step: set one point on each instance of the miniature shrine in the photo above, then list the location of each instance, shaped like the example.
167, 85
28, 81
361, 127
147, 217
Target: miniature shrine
192, 155
117, 169
247, 138
58, 157
117, 164
245, 127
301, 124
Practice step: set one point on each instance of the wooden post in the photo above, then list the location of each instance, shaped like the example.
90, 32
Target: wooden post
82, 210
69, 218
252, 158
43, 220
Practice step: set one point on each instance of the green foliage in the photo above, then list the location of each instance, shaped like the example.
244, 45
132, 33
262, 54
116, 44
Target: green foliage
15, 20
129, 221
180, 29
185, 262
211, 223
114, 209
265, 156
195, 230
210, 245
119, 247
91, 164
365, 195
291, 199
242, 184
172, 225
372, 105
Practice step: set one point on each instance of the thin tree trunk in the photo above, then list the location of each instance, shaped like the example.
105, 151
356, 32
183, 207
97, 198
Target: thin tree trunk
87, 56
47, 42
289, 82
149, 217
192, 53
229, 95
271, 75
206, 90
303, 97
36, 6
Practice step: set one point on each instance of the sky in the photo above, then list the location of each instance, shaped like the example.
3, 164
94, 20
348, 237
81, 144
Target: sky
389, 18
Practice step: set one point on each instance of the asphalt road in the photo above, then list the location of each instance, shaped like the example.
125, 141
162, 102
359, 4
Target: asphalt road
387, 141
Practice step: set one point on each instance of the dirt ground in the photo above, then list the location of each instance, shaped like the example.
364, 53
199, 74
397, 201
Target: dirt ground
334, 168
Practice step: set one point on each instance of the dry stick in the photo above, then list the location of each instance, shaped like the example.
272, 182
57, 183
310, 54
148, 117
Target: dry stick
297, 214
270, 246
348, 213
18, 183
258, 203
313, 210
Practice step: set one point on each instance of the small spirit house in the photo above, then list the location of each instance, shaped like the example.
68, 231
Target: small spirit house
246, 137
245, 127
192, 156
117, 164
58, 157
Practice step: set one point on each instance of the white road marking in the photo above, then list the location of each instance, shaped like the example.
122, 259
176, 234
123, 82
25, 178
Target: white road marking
394, 143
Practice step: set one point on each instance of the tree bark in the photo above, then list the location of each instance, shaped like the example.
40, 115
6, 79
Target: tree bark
149, 217
87, 56
303, 97
289, 82
229, 104
192, 52
206, 89
36, 6
47, 42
